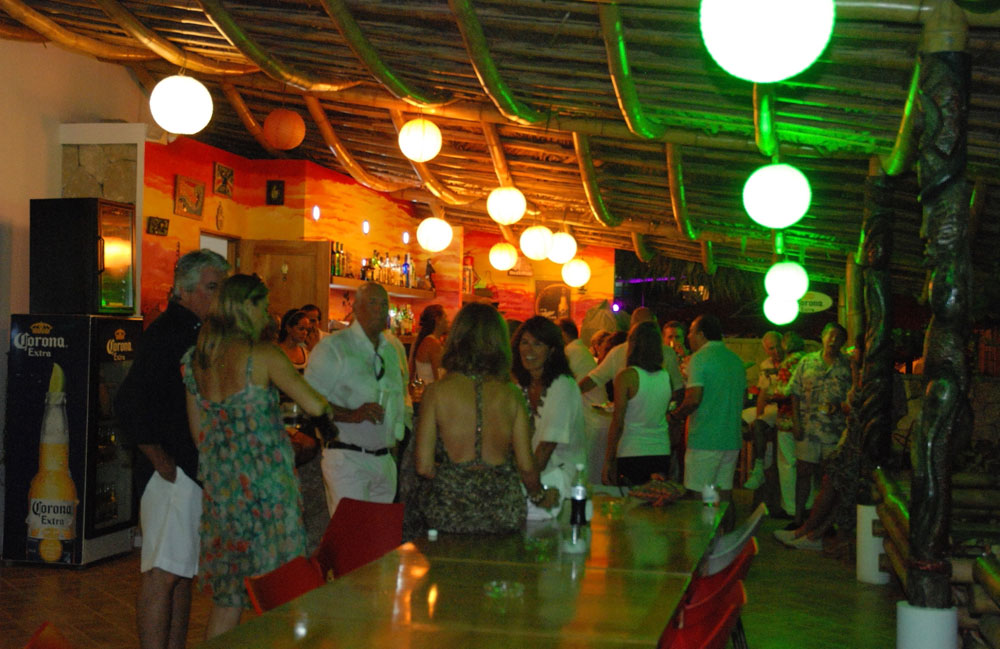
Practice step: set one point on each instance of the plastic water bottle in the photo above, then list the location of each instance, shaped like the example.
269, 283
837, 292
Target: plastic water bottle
578, 498
710, 496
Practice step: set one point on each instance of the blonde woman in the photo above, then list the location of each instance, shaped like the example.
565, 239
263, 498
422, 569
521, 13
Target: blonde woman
251, 511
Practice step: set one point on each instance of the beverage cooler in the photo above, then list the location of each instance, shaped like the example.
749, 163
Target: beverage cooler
69, 492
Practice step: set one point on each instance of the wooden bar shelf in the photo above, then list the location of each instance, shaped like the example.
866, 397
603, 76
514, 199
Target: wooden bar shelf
352, 284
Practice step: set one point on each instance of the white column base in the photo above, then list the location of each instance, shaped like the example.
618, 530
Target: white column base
926, 628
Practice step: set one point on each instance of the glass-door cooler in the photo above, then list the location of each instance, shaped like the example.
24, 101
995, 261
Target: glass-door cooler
69, 492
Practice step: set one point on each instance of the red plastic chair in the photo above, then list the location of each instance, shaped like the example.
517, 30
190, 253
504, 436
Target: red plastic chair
47, 636
712, 631
359, 532
283, 584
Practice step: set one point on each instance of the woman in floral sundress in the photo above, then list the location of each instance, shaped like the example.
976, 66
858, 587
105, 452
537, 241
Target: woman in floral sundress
251, 510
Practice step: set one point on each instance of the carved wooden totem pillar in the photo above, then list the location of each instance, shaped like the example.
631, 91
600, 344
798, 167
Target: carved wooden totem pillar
875, 417
944, 194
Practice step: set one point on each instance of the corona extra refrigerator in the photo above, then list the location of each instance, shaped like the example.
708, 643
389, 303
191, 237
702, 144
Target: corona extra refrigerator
69, 494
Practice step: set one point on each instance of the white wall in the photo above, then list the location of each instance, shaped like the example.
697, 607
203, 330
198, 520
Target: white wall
43, 87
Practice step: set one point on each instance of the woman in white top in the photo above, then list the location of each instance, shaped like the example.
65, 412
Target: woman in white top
638, 440
541, 369
426, 351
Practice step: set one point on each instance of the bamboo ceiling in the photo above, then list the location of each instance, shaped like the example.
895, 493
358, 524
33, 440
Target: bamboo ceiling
527, 91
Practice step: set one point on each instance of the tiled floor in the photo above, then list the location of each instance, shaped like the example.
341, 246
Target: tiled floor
796, 599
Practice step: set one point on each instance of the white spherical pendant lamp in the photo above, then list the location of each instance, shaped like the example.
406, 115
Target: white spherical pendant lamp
503, 256
576, 272
181, 105
780, 311
765, 41
506, 205
777, 196
536, 241
563, 247
434, 234
786, 280
420, 139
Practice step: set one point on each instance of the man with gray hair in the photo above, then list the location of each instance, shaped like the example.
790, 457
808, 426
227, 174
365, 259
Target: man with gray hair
151, 407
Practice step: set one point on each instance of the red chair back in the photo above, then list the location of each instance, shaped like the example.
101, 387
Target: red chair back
359, 532
47, 636
712, 631
283, 584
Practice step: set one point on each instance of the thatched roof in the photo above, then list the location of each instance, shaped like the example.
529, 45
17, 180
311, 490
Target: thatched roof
546, 65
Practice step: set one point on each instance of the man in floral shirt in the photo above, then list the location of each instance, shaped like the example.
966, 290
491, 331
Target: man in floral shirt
818, 389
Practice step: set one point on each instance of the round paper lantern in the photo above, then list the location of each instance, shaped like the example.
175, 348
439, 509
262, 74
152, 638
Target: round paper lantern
780, 311
765, 41
536, 241
563, 247
284, 129
433, 234
420, 139
503, 256
181, 105
506, 205
777, 196
786, 280
576, 272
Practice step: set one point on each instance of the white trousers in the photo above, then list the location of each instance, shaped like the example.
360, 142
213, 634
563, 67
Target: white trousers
786, 470
362, 476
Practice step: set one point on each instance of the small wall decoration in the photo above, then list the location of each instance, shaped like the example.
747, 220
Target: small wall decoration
275, 192
554, 300
223, 183
522, 268
189, 197
156, 226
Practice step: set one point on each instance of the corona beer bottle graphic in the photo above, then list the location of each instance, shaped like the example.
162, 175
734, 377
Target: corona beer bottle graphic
52, 497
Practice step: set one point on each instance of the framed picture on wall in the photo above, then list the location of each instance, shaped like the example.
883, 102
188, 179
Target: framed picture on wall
554, 300
275, 192
223, 182
189, 197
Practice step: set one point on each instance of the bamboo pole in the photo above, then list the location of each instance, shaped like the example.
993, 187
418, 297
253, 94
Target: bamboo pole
56, 33
251, 124
150, 39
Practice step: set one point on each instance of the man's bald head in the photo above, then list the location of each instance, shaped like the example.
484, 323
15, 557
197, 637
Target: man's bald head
642, 314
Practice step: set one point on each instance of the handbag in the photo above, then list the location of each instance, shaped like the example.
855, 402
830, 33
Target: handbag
305, 445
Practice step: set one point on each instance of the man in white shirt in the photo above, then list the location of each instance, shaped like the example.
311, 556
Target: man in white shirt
616, 360
358, 371
581, 362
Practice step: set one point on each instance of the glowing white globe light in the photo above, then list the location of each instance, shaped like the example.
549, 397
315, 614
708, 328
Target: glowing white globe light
765, 41
420, 139
181, 105
780, 311
506, 205
777, 196
536, 241
786, 280
434, 234
576, 272
503, 256
563, 247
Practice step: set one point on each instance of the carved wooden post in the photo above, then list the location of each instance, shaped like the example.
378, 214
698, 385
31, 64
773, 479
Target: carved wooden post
944, 193
876, 379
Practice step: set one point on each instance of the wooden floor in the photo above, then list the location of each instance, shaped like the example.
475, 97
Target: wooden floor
796, 598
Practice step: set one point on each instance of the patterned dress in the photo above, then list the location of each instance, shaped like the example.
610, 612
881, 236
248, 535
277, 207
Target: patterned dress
473, 497
251, 519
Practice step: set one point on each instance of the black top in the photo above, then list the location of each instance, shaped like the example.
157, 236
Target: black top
151, 400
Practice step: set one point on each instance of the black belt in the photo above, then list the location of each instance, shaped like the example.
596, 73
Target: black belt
335, 443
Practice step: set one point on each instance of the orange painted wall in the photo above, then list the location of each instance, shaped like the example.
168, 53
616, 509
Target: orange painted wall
517, 294
343, 205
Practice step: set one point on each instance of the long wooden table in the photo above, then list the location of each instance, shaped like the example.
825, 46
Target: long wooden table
534, 589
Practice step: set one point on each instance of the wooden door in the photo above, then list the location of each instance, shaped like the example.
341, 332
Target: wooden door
296, 272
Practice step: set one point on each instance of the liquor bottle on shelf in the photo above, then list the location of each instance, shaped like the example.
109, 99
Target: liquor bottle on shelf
406, 270
364, 269
375, 265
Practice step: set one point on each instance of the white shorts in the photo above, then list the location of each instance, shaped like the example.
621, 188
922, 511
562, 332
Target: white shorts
702, 468
169, 514
362, 476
